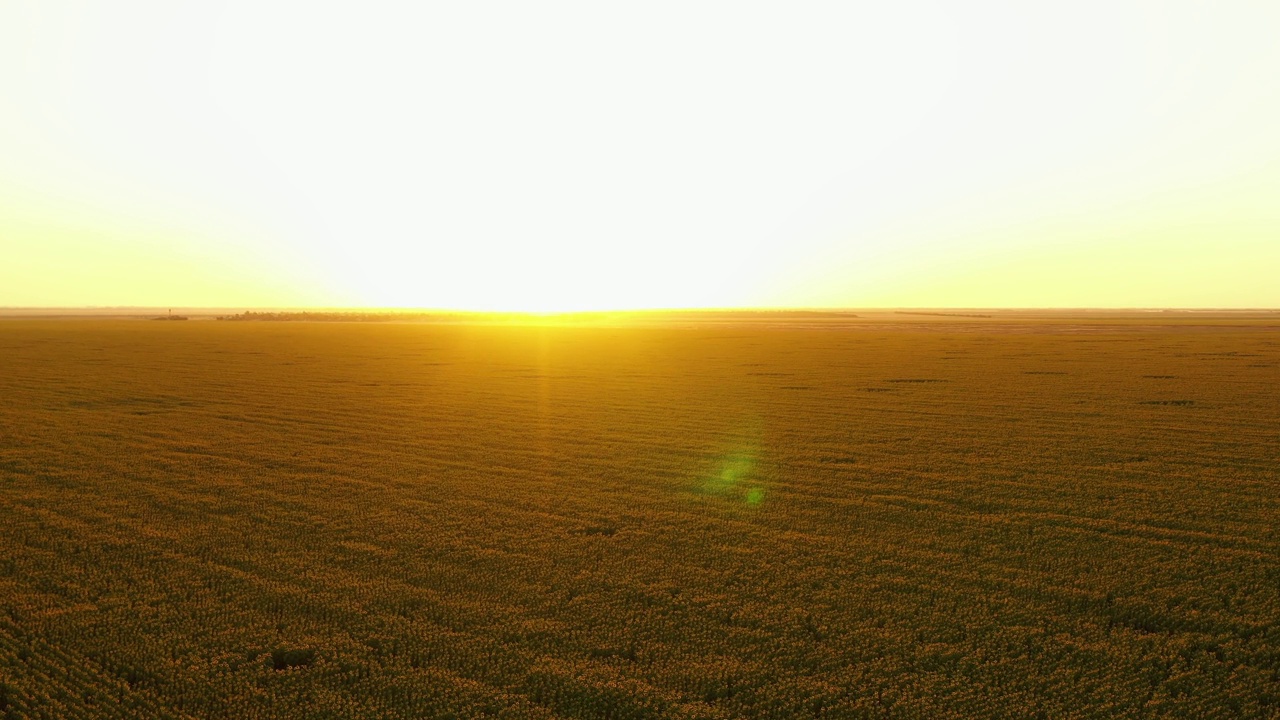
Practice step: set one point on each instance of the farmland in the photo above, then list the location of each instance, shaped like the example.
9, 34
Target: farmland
777, 517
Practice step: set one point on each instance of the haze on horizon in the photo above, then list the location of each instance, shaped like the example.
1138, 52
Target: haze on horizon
581, 156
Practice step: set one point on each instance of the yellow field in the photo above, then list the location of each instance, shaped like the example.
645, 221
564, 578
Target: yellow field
796, 517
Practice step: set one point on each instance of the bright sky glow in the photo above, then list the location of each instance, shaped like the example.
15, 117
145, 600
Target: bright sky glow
594, 155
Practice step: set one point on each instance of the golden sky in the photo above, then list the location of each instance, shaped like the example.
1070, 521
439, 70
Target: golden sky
596, 155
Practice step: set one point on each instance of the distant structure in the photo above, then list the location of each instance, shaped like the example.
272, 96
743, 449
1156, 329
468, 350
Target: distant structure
171, 316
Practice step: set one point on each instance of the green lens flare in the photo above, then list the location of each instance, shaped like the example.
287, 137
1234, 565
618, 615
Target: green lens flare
734, 473
733, 470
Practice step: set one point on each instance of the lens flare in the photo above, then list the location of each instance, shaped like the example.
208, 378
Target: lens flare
735, 473
734, 469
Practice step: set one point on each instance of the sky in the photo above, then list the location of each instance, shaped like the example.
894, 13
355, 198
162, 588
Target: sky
551, 156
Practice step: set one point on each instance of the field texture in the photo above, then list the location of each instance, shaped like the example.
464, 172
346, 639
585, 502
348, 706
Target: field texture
801, 518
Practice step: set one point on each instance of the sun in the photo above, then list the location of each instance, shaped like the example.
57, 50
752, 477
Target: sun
541, 276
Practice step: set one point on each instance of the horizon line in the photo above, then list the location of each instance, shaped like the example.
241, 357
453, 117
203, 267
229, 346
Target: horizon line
742, 308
